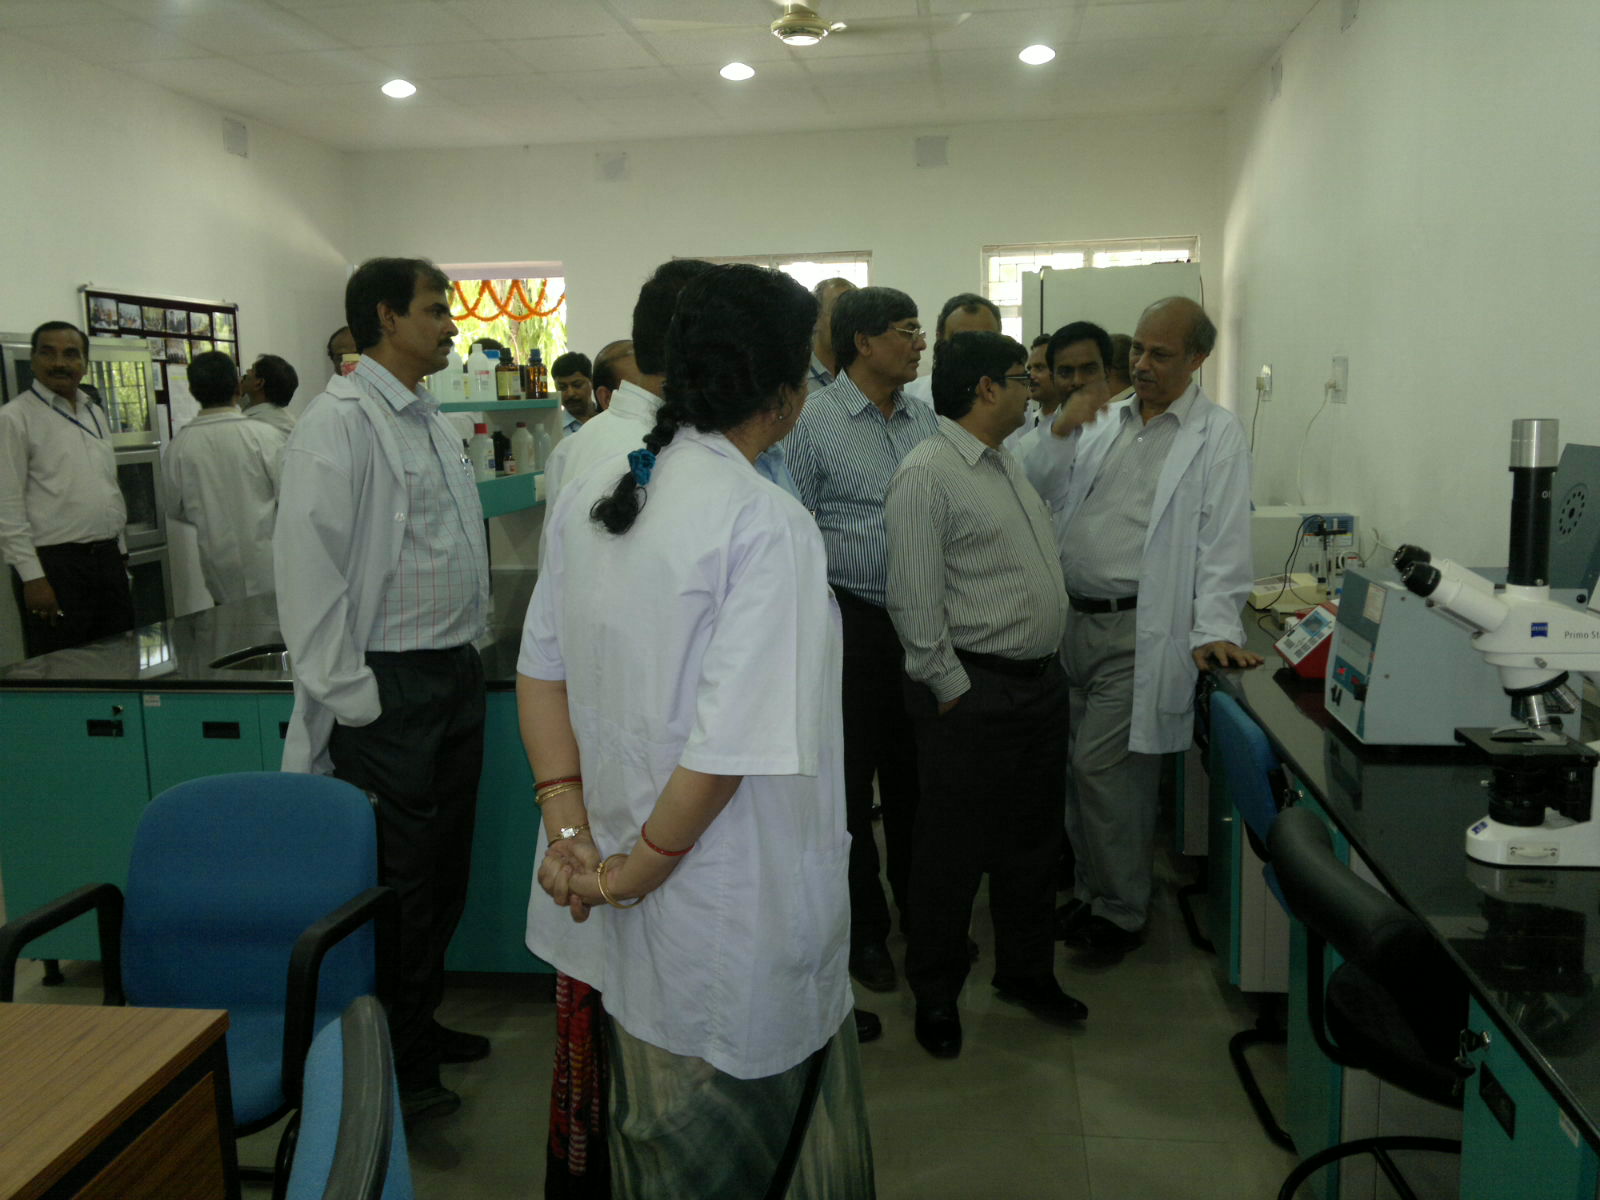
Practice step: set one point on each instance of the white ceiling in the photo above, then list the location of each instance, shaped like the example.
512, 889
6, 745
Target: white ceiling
516, 72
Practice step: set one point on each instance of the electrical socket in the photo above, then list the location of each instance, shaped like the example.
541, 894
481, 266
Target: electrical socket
1340, 379
1264, 382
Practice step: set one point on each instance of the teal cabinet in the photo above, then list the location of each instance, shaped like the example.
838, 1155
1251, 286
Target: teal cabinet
73, 765
491, 934
273, 710
1516, 1141
192, 734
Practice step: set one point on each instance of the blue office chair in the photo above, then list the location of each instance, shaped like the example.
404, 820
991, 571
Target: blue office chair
352, 1142
1395, 1007
255, 893
1254, 780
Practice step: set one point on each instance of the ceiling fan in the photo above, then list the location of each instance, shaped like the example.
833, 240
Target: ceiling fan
801, 25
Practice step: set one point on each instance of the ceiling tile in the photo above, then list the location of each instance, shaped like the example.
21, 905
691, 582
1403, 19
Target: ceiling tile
314, 68
590, 52
397, 23
450, 60
114, 43
688, 49
222, 81
244, 30
1156, 19
513, 19
24, 14
1052, 26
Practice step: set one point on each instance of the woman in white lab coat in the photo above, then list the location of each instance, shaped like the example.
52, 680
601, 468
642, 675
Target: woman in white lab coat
679, 696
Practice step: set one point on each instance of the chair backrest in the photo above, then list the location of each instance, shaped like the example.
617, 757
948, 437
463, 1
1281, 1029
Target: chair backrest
1386, 942
352, 1142
1249, 764
227, 871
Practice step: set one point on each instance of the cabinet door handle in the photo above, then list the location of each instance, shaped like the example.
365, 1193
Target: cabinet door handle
103, 728
220, 729
116, 710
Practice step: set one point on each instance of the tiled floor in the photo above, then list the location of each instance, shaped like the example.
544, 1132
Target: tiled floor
1139, 1104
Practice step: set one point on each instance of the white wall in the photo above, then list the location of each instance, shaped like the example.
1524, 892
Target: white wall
113, 180
1421, 198
796, 193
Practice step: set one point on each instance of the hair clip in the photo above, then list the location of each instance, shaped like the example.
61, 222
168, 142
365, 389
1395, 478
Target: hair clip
641, 462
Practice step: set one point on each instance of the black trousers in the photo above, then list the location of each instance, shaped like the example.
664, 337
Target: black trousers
878, 741
991, 771
422, 758
91, 587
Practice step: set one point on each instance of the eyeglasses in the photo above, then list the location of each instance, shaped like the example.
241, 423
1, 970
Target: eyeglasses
1018, 378
913, 332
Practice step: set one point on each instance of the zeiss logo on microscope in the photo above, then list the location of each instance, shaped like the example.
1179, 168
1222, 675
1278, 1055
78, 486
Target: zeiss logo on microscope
1539, 629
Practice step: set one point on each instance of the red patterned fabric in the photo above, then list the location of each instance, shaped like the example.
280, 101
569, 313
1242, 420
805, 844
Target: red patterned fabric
577, 1164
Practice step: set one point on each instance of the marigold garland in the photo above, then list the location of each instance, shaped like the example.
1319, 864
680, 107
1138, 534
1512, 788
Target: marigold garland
503, 308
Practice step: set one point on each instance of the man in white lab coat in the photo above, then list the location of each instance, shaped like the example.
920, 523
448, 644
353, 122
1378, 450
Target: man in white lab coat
1151, 500
266, 389
222, 478
383, 588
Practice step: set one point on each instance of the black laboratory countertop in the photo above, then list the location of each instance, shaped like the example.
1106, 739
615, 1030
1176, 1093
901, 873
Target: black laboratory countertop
1524, 937
177, 655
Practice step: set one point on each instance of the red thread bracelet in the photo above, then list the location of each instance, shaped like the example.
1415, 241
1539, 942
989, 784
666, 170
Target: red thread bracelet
549, 783
659, 850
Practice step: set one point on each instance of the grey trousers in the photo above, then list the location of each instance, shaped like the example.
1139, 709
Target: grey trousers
1114, 797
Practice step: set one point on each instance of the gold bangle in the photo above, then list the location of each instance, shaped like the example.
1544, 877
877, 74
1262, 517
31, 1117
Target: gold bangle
600, 881
542, 797
567, 831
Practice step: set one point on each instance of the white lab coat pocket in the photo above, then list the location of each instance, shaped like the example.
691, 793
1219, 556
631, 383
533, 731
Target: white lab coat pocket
1176, 677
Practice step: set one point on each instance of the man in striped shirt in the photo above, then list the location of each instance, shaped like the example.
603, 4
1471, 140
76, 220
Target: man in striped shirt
851, 437
383, 589
976, 596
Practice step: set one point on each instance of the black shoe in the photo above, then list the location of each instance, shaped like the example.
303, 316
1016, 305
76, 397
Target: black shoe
939, 1029
1102, 937
434, 1101
457, 1047
1070, 917
868, 1027
872, 967
1044, 999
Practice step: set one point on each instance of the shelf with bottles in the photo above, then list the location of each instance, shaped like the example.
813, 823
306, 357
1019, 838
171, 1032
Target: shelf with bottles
509, 493
499, 405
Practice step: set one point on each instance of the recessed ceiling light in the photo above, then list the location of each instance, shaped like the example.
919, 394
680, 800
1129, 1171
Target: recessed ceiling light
1037, 56
399, 89
737, 71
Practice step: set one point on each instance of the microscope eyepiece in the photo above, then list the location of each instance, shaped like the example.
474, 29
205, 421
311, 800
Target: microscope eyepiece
1421, 578
1407, 555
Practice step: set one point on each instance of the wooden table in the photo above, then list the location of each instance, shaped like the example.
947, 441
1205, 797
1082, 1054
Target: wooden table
115, 1103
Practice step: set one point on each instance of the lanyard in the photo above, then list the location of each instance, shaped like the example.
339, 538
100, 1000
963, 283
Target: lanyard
94, 433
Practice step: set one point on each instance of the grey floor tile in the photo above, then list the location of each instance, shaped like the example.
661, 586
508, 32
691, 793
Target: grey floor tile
955, 1162
1156, 1169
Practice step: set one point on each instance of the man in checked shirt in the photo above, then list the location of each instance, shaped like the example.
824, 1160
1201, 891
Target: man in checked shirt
383, 586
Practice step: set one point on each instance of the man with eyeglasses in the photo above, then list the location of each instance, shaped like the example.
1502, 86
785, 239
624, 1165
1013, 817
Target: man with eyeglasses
975, 594
1151, 499
965, 312
842, 454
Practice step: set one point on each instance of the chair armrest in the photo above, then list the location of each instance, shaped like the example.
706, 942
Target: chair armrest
380, 904
104, 898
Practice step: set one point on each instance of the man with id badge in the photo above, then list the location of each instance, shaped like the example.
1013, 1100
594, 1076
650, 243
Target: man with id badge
61, 512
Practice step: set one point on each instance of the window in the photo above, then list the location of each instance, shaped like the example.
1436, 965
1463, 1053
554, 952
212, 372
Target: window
812, 269
520, 305
1004, 266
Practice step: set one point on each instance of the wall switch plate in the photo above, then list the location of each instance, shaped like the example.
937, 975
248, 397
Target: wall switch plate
1341, 380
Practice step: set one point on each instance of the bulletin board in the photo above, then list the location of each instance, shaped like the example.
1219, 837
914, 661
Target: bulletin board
175, 328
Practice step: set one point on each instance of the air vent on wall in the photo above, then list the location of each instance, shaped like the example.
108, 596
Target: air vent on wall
933, 151
235, 137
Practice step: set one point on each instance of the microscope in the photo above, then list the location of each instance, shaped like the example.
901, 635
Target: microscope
1542, 809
